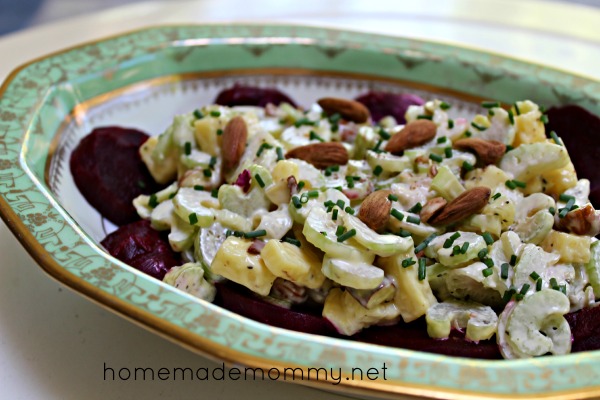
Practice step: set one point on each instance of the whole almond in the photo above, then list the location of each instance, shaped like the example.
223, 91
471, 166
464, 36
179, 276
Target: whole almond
375, 210
487, 151
321, 155
349, 109
233, 143
432, 208
468, 203
414, 134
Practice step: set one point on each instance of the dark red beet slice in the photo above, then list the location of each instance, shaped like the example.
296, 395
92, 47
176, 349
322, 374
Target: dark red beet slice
242, 95
580, 131
109, 172
142, 247
585, 328
382, 104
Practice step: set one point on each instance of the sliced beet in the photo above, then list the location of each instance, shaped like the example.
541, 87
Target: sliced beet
109, 172
143, 248
382, 104
242, 95
580, 131
585, 328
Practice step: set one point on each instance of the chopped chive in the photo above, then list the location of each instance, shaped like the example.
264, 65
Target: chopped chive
292, 241
448, 152
538, 285
329, 203
397, 214
455, 236
534, 276
346, 235
215, 114
544, 119
255, 234
214, 193
404, 233
445, 106
478, 127
340, 203
556, 139
456, 250
525, 288
564, 211
349, 210
488, 238
450, 123
429, 117
262, 148
565, 197
304, 121
491, 112
187, 148
490, 104
495, 197
301, 185
238, 234
520, 184
468, 134
519, 297
303, 198
279, 151
489, 262
487, 272
517, 108
296, 202
377, 145
207, 173
563, 289
392, 197
421, 246
464, 248
507, 296
312, 194
335, 168
482, 254
334, 215
416, 208
513, 260
442, 139
448, 243
378, 170
334, 118
324, 234
509, 148
313, 136
511, 117
552, 210
510, 184
340, 229
350, 183
259, 180
422, 269
384, 134
504, 271
153, 201
193, 218
172, 195
198, 114
553, 283
435, 157
467, 166
219, 132
413, 219
407, 262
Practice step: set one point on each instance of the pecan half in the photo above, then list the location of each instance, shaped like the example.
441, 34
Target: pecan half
487, 151
321, 155
414, 134
233, 143
581, 221
349, 109
375, 210
432, 208
468, 203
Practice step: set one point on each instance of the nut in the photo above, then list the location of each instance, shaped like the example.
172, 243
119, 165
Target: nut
432, 208
488, 151
321, 155
233, 143
375, 210
414, 134
581, 221
468, 203
349, 109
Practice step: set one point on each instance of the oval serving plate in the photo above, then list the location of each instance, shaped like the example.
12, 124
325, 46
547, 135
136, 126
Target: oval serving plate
142, 79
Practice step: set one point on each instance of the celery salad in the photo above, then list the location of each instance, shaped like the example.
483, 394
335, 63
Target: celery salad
474, 224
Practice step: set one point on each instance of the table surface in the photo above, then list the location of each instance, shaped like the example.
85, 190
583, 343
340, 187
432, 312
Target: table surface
54, 343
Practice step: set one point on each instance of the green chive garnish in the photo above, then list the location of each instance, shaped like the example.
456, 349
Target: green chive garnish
207, 173
556, 139
517, 109
212, 162
563, 289
313, 136
384, 134
429, 117
301, 185
187, 148
534, 276
413, 219
303, 198
377, 145
416, 208
340, 229
513, 260
565, 197
312, 194
520, 184
292, 241
519, 297
397, 214
478, 127
468, 134
490, 104
442, 139
504, 271
450, 241
487, 272
544, 119
303, 121
378, 170
259, 180
215, 114
219, 132
407, 262
552, 210
510, 184
334, 215
553, 283
482, 254
450, 123
538, 285
346, 235
456, 250
525, 288
422, 269
340, 203
255, 234
488, 238
511, 117
489, 262
279, 151
495, 197
445, 106
404, 233
198, 114
448, 152
467, 166
464, 248
296, 202
507, 296
214, 193
349, 210
435, 157
193, 218
262, 148
392, 197
153, 201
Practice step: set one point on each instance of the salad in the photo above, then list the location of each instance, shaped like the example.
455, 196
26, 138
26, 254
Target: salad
473, 224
